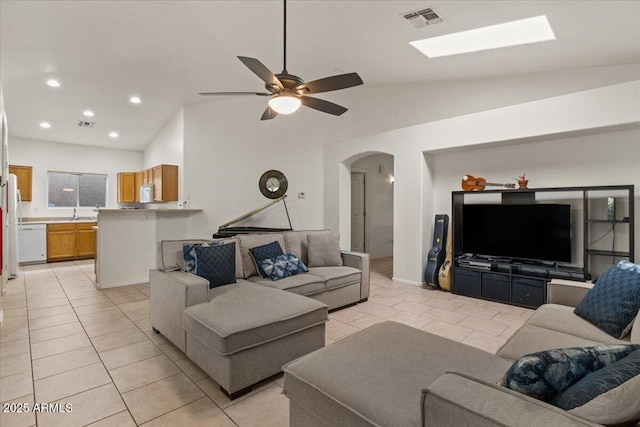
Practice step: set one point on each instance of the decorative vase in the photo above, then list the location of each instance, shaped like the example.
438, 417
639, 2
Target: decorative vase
522, 183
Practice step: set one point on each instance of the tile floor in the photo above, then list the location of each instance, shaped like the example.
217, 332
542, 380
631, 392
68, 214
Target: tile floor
63, 341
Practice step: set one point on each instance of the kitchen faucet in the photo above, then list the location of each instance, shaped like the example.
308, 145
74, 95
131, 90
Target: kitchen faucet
75, 215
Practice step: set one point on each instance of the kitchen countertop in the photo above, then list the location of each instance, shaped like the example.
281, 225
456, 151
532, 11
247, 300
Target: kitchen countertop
57, 221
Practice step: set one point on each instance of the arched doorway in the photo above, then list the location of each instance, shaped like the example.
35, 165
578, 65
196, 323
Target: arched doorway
372, 209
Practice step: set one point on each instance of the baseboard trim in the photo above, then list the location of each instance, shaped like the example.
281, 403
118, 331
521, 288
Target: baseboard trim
407, 282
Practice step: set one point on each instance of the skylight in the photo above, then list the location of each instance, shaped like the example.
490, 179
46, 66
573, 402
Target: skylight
524, 31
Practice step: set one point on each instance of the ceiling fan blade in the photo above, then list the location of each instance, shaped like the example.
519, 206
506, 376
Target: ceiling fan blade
341, 81
268, 114
261, 71
322, 105
234, 93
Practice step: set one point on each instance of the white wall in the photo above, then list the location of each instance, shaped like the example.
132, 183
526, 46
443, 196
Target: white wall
168, 148
378, 169
582, 112
46, 156
228, 148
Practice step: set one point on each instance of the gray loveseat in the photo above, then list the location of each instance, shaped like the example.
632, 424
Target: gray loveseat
412, 378
244, 332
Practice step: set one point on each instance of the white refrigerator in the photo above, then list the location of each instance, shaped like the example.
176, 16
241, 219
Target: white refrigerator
13, 223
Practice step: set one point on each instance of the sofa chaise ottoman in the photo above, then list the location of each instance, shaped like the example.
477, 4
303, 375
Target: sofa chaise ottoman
248, 332
393, 375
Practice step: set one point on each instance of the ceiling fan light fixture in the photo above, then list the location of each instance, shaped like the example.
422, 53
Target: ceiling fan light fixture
285, 104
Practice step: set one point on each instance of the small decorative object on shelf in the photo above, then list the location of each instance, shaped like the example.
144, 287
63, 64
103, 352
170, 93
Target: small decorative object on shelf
522, 181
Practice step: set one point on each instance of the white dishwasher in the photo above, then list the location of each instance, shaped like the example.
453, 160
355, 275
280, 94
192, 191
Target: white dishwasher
32, 244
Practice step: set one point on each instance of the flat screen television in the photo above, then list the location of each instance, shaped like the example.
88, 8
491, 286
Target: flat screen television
529, 232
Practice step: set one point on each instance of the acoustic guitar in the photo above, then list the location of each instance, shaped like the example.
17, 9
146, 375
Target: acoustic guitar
444, 275
470, 183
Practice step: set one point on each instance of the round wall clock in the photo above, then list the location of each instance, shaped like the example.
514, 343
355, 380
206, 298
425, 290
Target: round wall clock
273, 184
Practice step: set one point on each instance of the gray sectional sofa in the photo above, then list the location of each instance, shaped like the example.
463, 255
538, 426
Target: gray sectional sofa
394, 375
244, 332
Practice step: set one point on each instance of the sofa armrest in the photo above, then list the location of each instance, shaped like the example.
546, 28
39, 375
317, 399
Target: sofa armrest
171, 293
458, 400
359, 260
567, 292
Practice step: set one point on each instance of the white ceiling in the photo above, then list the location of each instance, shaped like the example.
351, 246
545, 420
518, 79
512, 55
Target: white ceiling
102, 52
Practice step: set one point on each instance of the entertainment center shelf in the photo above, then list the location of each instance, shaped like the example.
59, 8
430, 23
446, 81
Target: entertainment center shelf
524, 283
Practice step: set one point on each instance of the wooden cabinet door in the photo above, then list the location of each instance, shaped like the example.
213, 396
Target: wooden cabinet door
146, 177
169, 183
157, 184
126, 187
85, 240
24, 174
137, 182
61, 241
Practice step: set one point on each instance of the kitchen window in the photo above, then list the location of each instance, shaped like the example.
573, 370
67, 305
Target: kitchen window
76, 190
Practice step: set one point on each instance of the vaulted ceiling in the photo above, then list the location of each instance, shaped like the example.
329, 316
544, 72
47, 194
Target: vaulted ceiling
103, 52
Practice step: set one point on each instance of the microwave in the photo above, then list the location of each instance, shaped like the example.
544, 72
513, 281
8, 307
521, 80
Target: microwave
146, 193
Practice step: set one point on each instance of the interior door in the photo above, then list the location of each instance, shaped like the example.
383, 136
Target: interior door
358, 213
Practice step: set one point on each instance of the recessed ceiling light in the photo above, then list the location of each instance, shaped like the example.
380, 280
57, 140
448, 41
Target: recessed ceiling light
45, 125
524, 31
135, 100
113, 134
53, 83
88, 113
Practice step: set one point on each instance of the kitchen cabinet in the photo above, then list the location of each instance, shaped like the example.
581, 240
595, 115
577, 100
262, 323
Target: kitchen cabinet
137, 182
164, 179
126, 187
70, 241
165, 183
24, 175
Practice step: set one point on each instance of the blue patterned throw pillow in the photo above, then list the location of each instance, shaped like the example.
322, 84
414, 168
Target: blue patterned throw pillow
217, 264
613, 302
282, 266
189, 254
545, 374
260, 253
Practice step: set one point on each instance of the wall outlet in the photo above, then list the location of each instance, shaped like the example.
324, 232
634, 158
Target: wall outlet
302, 195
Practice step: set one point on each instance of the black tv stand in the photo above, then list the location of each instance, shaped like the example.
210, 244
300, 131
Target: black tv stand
523, 283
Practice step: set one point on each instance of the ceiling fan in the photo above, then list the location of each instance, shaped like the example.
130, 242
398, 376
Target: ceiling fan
288, 91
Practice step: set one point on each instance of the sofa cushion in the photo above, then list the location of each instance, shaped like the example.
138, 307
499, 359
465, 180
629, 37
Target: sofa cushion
531, 338
608, 395
562, 319
281, 266
296, 242
248, 241
338, 382
216, 264
259, 253
337, 277
324, 250
546, 374
613, 302
246, 315
301, 284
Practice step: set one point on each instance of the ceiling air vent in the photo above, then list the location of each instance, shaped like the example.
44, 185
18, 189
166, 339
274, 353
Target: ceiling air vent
84, 124
422, 17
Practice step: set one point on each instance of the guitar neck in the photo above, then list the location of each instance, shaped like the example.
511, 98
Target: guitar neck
493, 184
